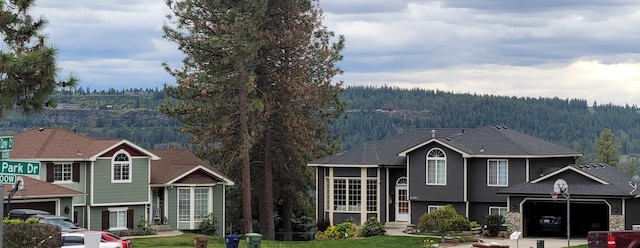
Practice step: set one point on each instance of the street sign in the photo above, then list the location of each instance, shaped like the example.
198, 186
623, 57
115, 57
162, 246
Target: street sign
6, 143
20, 167
7, 179
5, 155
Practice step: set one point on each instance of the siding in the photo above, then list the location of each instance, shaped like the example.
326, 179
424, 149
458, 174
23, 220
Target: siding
420, 191
632, 215
172, 207
107, 192
537, 166
418, 208
218, 207
478, 189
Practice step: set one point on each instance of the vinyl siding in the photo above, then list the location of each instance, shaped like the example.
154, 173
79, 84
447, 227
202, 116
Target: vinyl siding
106, 192
418, 188
96, 215
480, 191
218, 207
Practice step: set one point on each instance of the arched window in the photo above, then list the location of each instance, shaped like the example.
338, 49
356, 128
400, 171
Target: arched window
121, 168
436, 167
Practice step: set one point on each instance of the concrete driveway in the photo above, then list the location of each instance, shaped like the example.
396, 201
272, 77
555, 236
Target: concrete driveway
530, 242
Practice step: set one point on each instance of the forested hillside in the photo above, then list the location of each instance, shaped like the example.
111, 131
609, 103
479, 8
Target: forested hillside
373, 113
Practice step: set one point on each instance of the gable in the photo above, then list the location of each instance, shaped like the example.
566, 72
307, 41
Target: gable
133, 152
198, 177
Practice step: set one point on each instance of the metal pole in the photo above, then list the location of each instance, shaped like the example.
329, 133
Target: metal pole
568, 220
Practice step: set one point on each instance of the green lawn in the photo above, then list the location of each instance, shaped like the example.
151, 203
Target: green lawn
186, 241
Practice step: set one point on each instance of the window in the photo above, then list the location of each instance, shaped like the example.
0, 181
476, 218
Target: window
184, 204
498, 211
347, 194
436, 167
118, 219
340, 194
372, 195
121, 168
497, 172
62, 172
201, 202
433, 208
354, 194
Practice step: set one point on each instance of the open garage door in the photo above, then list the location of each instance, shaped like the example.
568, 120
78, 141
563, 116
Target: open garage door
549, 218
49, 206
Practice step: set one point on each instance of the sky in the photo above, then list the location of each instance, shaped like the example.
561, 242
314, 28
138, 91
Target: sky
545, 48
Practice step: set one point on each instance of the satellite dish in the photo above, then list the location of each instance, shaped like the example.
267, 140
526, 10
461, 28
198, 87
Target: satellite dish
560, 186
19, 183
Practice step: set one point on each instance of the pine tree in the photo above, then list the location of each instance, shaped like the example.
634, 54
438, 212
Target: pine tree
607, 148
28, 70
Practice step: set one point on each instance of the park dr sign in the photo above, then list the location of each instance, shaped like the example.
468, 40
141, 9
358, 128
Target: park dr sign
20, 167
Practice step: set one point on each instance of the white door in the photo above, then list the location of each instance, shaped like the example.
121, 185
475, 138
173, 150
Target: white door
402, 200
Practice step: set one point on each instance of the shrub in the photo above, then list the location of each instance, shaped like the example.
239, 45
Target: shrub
444, 220
323, 224
208, 226
144, 226
343, 230
372, 227
347, 229
494, 224
474, 224
18, 233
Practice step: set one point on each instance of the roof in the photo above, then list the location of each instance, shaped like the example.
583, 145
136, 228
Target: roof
179, 164
597, 180
58, 144
499, 141
34, 188
385, 151
488, 141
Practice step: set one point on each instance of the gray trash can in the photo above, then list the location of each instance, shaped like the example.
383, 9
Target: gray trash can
253, 240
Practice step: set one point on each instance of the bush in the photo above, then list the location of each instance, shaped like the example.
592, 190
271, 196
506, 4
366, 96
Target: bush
474, 224
372, 227
343, 230
443, 220
494, 224
208, 226
323, 224
18, 234
144, 226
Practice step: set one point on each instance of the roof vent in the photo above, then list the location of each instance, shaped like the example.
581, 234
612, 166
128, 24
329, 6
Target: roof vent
433, 133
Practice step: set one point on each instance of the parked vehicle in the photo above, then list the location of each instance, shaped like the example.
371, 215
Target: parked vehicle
65, 224
112, 238
25, 213
550, 224
614, 239
76, 240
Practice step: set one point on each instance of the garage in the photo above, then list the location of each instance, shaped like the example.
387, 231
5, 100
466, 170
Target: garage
549, 218
49, 206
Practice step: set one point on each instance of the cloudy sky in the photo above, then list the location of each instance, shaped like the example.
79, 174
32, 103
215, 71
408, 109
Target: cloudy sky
550, 48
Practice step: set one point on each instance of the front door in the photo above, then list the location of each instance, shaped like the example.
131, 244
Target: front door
402, 200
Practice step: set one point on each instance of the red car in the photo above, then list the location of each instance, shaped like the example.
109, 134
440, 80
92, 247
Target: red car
112, 238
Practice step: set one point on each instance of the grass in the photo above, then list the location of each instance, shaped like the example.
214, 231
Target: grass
186, 241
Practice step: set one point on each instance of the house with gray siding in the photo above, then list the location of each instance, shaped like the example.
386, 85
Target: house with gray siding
120, 183
477, 171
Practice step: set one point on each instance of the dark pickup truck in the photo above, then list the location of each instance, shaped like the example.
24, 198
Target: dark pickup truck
614, 239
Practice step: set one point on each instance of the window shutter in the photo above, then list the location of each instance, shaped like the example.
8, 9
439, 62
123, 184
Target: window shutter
76, 172
50, 169
105, 220
130, 219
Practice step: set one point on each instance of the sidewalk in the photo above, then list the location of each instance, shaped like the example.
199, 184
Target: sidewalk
549, 242
158, 234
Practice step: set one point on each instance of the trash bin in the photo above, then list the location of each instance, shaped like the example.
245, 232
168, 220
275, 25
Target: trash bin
232, 240
253, 240
200, 241
539, 243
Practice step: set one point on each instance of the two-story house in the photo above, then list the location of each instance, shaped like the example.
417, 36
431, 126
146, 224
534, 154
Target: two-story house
478, 171
121, 184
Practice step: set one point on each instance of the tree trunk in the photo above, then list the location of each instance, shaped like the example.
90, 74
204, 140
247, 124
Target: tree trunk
286, 218
247, 220
267, 205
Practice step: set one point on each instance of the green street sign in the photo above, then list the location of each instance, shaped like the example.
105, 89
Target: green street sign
6, 143
20, 168
7, 179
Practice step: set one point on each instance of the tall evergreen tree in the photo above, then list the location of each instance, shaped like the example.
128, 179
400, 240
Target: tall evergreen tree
607, 148
28, 70
214, 98
295, 83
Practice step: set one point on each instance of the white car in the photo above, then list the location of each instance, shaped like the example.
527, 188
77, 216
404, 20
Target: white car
76, 240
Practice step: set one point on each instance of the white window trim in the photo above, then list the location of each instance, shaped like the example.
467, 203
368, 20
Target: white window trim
130, 167
62, 181
347, 207
120, 209
444, 182
432, 208
192, 204
498, 209
497, 184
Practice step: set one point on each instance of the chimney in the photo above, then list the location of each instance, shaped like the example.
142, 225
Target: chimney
433, 133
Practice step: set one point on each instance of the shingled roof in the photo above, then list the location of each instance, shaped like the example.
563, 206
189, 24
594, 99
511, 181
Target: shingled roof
598, 180
58, 144
182, 166
488, 141
34, 189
